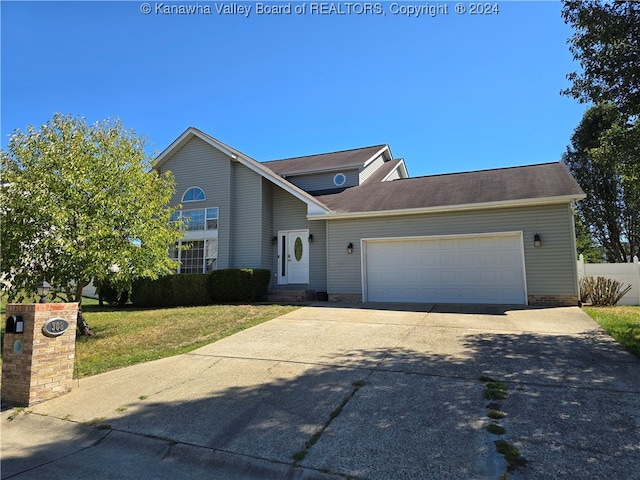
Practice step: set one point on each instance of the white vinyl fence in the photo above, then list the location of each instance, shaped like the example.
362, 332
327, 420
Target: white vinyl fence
625, 273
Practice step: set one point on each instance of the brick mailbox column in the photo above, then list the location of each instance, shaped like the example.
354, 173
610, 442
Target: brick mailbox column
37, 364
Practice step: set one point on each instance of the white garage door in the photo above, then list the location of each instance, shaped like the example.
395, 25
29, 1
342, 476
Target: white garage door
458, 269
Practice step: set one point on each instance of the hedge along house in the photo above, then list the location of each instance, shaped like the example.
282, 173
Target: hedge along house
354, 226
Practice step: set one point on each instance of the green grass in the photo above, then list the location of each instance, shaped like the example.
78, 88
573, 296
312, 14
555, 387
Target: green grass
511, 454
127, 336
496, 414
622, 323
495, 429
495, 391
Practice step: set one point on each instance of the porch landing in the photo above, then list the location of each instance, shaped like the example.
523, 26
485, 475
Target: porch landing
295, 296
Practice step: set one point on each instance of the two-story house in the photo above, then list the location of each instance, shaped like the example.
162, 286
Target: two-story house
353, 226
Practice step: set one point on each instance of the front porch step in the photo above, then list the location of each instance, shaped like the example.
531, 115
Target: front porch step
292, 295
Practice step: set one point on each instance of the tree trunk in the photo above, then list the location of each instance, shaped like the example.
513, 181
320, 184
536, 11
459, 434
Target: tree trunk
82, 326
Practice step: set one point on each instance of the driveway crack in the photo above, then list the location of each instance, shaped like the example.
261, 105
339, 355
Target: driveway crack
301, 454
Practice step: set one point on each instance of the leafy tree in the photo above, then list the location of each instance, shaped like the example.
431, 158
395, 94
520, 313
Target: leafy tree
605, 151
597, 157
606, 43
585, 243
78, 202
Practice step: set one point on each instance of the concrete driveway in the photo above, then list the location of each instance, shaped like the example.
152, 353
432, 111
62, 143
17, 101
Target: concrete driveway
367, 391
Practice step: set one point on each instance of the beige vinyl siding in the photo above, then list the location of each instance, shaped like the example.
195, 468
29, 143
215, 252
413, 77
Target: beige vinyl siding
550, 270
199, 164
246, 218
369, 169
289, 213
323, 181
268, 248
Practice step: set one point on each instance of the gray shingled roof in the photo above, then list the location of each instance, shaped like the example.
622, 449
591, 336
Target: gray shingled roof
323, 161
499, 185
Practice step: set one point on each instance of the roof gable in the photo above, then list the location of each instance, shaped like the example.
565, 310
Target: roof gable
314, 206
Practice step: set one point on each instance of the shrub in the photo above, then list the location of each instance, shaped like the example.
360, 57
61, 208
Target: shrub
186, 290
111, 293
601, 291
238, 284
183, 290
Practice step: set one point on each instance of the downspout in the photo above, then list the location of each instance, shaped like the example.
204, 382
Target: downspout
230, 213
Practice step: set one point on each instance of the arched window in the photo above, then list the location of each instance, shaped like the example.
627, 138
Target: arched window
194, 194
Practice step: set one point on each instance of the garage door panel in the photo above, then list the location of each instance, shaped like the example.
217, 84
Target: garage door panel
489, 258
427, 261
448, 259
468, 257
508, 257
483, 269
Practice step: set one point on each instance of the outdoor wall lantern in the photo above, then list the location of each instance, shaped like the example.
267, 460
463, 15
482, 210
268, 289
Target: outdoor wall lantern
350, 248
536, 241
274, 239
311, 238
43, 290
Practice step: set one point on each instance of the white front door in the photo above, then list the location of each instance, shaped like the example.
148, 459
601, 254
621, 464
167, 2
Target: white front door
293, 257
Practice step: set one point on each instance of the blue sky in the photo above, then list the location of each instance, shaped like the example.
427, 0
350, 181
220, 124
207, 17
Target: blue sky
451, 92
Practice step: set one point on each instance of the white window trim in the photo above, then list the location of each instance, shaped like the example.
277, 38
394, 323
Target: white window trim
179, 253
335, 179
188, 230
192, 188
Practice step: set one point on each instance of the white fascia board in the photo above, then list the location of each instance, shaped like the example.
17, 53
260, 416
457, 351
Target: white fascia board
377, 154
404, 169
401, 166
451, 208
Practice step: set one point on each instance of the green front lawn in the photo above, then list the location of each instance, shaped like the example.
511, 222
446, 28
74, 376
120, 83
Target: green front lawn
127, 336
622, 323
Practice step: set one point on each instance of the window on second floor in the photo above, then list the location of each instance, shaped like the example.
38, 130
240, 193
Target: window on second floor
198, 219
194, 194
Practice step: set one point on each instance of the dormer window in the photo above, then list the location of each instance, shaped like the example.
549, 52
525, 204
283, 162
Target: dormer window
194, 194
339, 179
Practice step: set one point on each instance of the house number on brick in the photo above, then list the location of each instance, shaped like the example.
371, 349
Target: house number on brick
55, 327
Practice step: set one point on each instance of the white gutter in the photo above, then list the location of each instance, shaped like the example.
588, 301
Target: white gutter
450, 208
